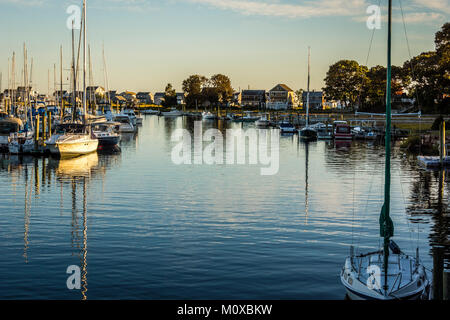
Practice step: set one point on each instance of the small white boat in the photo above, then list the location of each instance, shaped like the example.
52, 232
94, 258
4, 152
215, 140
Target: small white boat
72, 140
125, 124
8, 126
208, 116
364, 278
262, 122
106, 134
21, 142
131, 114
286, 127
172, 113
150, 111
249, 117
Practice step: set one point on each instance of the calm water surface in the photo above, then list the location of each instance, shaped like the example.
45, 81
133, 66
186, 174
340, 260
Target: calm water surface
141, 227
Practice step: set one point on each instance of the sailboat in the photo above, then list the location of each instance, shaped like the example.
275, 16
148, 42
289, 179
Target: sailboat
389, 273
308, 133
74, 139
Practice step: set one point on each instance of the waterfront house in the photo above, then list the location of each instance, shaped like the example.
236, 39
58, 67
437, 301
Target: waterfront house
144, 97
253, 98
316, 100
158, 98
181, 98
95, 93
281, 97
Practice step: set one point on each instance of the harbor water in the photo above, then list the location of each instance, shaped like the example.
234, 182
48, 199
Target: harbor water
141, 227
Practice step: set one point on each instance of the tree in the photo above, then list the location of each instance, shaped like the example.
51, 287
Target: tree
344, 81
430, 75
299, 96
222, 86
373, 93
170, 97
193, 86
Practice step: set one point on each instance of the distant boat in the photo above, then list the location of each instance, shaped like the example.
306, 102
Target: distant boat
208, 116
150, 111
287, 127
308, 133
387, 273
263, 121
131, 114
8, 126
249, 117
172, 113
125, 124
21, 142
342, 131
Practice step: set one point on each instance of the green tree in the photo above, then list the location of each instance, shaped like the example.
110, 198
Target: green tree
299, 96
193, 86
344, 81
430, 75
222, 86
170, 97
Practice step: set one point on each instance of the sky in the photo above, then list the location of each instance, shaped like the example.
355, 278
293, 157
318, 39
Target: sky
257, 43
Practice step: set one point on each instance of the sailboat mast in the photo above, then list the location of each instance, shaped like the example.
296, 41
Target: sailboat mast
61, 81
84, 61
388, 232
307, 90
74, 76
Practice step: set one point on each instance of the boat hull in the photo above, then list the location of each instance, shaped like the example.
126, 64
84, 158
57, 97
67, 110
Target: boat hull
108, 141
73, 149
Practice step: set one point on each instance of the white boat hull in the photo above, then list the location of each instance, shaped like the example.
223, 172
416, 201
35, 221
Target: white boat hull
73, 148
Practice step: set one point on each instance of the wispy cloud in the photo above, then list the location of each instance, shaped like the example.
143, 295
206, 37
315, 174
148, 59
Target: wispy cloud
306, 9
31, 3
356, 9
435, 5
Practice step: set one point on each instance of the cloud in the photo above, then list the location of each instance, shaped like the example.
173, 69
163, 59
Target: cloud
305, 9
435, 5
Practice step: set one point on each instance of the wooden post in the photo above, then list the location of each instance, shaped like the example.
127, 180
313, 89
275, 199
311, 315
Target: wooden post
36, 134
44, 127
442, 142
49, 125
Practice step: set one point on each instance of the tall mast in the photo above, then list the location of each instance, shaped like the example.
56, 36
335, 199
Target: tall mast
13, 75
84, 61
386, 224
61, 83
74, 76
307, 93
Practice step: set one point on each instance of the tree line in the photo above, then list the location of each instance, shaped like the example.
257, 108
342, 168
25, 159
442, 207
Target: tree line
201, 91
425, 78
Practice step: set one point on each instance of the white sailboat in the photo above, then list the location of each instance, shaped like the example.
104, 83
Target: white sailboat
388, 273
75, 139
308, 133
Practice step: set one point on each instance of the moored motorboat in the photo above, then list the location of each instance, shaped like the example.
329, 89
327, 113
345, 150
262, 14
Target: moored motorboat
263, 121
106, 134
209, 116
125, 124
174, 112
287, 127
